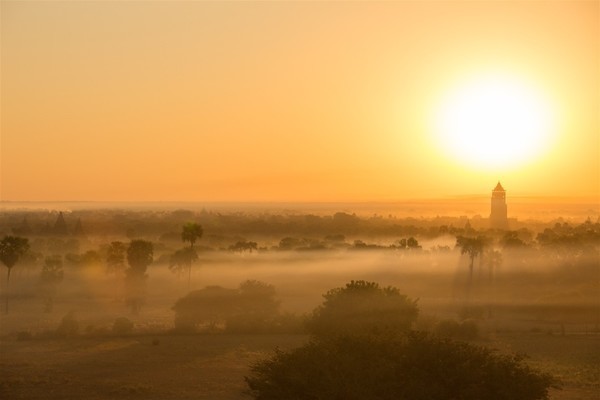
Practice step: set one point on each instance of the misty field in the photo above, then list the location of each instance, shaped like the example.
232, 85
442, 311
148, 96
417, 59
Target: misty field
532, 292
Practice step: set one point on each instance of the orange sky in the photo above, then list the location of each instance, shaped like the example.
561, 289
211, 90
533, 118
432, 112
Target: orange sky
286, 101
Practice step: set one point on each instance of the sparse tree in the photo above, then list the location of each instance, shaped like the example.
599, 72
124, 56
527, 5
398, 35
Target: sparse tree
12, 248
139, 257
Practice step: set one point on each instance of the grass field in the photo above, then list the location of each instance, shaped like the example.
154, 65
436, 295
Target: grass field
214, 366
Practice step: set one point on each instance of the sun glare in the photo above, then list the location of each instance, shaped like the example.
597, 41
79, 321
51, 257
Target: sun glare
494, 122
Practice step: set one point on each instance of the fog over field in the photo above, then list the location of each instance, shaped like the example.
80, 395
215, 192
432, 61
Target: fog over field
538, 280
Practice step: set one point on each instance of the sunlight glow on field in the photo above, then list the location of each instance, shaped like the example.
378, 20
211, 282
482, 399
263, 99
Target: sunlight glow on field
494, 121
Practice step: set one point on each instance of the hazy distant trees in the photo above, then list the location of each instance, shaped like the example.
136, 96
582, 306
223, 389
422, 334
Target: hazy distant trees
243, 245
12, 248
139, 257
362, 307
52, 274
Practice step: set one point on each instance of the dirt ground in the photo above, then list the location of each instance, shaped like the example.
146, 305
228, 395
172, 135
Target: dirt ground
214, 366
142, 367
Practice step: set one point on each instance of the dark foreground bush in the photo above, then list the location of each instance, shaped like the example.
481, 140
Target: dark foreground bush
411, 367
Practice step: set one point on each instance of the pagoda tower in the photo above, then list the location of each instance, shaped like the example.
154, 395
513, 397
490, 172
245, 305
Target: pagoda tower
498, 215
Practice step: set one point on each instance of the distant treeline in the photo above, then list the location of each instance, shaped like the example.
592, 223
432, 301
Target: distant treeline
165, 224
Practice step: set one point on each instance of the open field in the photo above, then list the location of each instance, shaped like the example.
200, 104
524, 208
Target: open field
214, 366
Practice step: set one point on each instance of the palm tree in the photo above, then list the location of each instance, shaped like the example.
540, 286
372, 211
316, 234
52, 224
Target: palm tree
190, 232
473, 247
493, 259
11, 249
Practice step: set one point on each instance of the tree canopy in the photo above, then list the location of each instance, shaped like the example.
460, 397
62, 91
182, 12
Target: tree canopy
414, 366
362, 307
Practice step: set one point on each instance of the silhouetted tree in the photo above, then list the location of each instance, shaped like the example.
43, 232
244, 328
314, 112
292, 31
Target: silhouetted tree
12, 248
182, 260
414, 366
473, 247
190, 233
52, 274
139, 257
493, 260
115, 257
362, 307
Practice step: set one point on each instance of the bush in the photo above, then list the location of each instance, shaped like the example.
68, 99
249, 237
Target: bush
362, 307
250, 308
122, 326
208, 307
414, 366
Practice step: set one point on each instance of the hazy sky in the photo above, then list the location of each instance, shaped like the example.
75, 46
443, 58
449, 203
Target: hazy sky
282, 101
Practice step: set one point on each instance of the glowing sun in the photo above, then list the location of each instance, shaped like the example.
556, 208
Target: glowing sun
494, 121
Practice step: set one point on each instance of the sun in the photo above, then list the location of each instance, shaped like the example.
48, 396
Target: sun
494, 121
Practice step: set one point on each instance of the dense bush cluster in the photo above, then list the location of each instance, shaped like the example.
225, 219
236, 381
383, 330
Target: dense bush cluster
413, 366
362, 307
250, 308
362, 348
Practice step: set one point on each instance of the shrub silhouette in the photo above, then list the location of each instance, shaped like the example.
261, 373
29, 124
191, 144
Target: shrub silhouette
414, 366
250, 308
362, 307
207, 308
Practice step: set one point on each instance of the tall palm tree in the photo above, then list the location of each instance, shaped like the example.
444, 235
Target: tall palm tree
473, 247
11, 249
190, 233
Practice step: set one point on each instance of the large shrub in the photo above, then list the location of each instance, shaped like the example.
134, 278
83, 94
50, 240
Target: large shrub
250, 308
413, 366
362, 307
